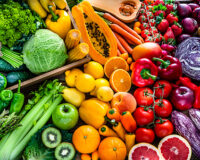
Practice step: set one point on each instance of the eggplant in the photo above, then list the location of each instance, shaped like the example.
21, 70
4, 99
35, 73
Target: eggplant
185, 127
195, 117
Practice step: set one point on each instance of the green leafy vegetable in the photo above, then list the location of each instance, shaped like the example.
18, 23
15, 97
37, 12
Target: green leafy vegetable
45, 51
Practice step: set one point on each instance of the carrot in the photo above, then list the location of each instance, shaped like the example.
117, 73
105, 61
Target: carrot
114, 114
124, 43
106, 131
119, 46
118, 52
122, 25
85, 157
128, 121
119, 129
95, 155
130, 42
129, 141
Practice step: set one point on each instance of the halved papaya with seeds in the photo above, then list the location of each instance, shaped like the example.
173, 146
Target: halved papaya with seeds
95, 32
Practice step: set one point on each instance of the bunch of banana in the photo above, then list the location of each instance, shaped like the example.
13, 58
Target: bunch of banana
41, 6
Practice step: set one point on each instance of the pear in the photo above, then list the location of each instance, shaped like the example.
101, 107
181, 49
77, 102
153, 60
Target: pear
73, 96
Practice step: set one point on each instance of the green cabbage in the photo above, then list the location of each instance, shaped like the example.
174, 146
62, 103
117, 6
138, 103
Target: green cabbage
44, 51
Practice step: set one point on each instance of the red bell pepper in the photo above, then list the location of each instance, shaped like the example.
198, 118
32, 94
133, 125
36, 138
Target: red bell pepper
144, 72
197, 98
169, 68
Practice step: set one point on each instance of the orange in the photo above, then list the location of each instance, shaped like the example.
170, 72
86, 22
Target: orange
120, 81
115, 63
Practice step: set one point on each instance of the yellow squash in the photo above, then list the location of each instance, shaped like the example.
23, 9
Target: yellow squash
95, 32
92, 112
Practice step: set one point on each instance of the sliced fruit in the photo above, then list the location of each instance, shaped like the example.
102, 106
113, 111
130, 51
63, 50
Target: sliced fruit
51, 137
144, 151
95, 69
113, 64
100, 82
71, 75
85, 83
65, 151
175, 147
120, 81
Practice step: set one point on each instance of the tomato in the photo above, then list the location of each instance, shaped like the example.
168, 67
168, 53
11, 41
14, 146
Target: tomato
137, 24
148, 2
163, 129
142, 11
149, 8
150, 15
142, 19
163, 108
153, 30
162, 87
149, 39
144, 135
137, 29
144, 26
145, 33
152, 22
143, 96
143, 116
158, 37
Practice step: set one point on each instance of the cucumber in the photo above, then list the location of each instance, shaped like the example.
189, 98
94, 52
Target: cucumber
6, 67
13, 77
3, 82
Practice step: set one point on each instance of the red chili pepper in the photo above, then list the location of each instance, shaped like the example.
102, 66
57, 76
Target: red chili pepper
169, 68
185, 81
144, 72
197, 98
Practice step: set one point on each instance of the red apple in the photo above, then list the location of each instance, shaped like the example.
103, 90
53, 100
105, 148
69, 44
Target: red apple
124, 102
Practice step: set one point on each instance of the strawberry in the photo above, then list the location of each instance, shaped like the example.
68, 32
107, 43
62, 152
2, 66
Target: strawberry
145, 33
170, 8
160, 12
142, 19
144, 26
169, 35
177, 29
152, 22
171, 18
163, 25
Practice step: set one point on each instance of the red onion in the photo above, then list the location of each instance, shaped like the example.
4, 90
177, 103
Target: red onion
184, 10
189, 25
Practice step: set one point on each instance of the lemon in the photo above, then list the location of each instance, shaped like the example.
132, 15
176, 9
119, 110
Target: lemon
95, 69
105, 94
71, 75
85, 83
100, 82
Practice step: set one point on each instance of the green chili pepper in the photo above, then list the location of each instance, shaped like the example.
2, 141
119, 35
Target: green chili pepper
6, 95
17, 101
3, 105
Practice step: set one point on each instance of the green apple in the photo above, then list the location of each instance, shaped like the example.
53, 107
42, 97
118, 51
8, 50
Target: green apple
65, 116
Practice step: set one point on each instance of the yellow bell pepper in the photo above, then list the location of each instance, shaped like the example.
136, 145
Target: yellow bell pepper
92, 112
59, 22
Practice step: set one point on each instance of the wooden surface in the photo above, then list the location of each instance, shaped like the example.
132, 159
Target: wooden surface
112, 6
55, 72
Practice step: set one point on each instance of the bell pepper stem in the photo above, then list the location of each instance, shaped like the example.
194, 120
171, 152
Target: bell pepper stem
145, 74
151, 76
164, 63
54, 16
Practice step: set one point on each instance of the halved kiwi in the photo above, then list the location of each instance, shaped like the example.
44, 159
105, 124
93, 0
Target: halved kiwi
65, 151
51, 137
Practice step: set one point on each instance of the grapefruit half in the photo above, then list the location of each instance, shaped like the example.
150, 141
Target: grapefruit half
144, 151
175, 147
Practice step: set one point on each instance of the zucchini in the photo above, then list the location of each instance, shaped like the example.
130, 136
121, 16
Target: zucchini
13, 77
7, 67
3, 82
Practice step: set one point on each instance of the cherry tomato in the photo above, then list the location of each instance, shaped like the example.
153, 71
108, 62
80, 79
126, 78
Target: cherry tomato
163, 108
144, 26
143, 96
142, 19
148, 2
137, 24
153, 30
150, 15
144, 135
137, 29
142, 11
162, 87
143, 116
149, 8
152, 22
163, 129
158, 37
145, 33
149, 39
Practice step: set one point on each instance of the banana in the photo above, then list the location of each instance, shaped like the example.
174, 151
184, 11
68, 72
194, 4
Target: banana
62, 4
46, 3
36, 6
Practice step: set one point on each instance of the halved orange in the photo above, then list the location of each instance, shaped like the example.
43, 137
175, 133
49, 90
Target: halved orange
115, 63
120, 81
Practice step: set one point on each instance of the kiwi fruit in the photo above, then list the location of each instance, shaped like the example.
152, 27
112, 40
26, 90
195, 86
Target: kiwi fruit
51, 137
65, 151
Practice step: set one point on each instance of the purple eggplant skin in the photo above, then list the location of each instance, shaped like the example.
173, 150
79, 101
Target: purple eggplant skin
195, 117
185, 127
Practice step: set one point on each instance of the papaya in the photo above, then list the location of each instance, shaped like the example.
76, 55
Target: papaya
95, 32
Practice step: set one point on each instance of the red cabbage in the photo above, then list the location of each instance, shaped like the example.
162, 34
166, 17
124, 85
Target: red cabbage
188, 53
